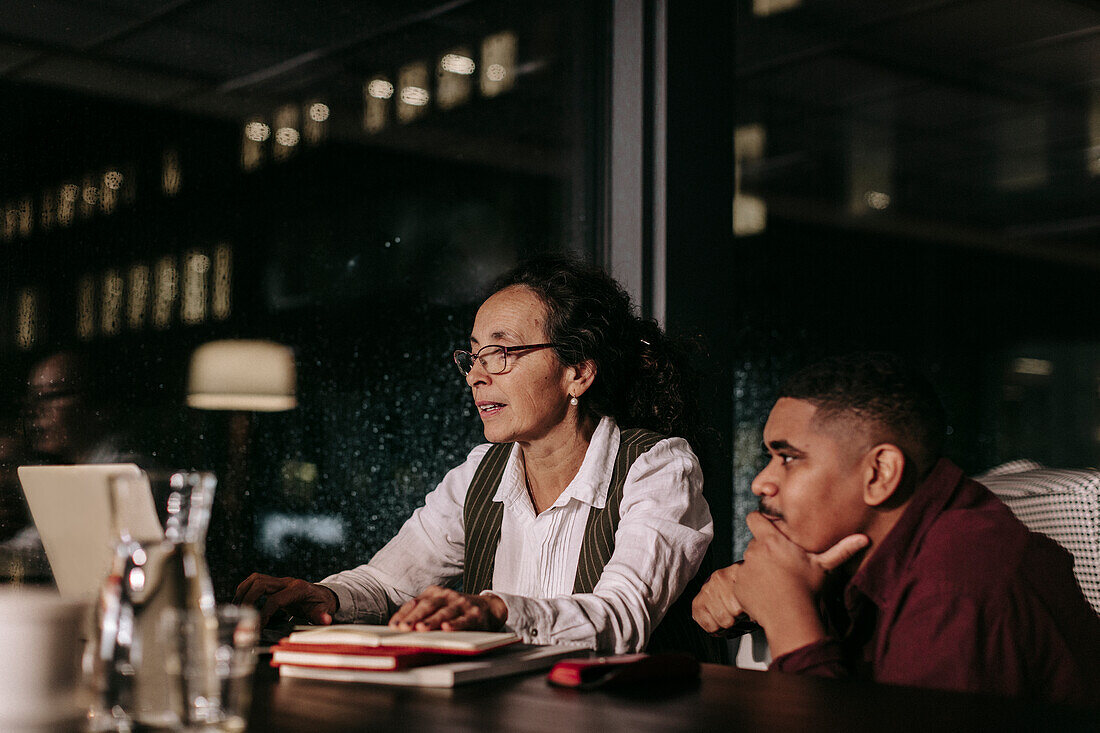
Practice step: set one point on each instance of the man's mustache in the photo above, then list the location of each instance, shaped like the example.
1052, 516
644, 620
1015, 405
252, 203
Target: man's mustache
768, 510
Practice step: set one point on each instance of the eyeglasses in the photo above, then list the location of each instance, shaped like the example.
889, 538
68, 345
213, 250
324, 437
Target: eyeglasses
493, 358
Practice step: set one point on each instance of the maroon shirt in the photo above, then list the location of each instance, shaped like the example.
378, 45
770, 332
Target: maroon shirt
961, 596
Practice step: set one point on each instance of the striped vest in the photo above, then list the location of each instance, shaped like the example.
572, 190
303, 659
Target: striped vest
482, 517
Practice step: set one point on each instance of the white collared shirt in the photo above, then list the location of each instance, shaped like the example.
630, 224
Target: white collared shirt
664, 529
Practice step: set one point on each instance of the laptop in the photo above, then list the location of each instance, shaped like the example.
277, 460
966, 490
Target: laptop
71, 507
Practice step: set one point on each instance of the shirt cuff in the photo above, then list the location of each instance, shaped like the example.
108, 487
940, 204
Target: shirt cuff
823, 658
345, 611
517, 621
534, 622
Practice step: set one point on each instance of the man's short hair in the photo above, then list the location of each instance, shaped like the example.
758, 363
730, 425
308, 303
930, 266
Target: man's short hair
884, 393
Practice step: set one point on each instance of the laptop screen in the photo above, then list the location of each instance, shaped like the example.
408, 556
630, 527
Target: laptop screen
71, 507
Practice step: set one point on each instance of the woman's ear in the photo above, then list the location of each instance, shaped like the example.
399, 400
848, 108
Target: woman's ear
886, 464
581, 377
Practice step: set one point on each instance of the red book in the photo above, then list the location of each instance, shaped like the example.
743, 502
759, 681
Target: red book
380, 648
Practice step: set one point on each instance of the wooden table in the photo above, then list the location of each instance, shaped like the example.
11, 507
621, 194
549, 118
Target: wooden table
725, 698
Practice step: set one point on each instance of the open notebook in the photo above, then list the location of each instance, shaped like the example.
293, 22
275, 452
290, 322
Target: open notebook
71, 508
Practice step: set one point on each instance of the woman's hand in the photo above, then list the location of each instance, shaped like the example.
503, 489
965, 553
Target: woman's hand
298, 597
449, 610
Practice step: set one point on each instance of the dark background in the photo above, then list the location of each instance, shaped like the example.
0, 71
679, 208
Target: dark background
368, 252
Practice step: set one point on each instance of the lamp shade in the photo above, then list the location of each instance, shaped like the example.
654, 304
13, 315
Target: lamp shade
242, 375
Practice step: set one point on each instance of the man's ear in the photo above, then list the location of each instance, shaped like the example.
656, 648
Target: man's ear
581, 377
886, 464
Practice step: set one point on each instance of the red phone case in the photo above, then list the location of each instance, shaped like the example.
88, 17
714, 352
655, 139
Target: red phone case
622, 669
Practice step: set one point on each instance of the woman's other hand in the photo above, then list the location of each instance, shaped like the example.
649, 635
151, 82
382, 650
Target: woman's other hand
298, 597
449, 610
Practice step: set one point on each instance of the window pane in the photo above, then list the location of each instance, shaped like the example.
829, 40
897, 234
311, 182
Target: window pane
922, 177
344, 180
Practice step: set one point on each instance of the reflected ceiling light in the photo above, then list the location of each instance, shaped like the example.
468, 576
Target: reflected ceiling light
46, 211
750, 213
871, 161
11, 221
453, 82
316, 113
457, 64
376, 95
413, 81
85, 307
286, 123
66, 201
252, 145
165, 287
287, 136
416, 96
771, 7
1033, 367
26, 217
257, 131
110, 313
498, 59
26, 320
171, 176
221, 287
242, 375
380, 89
108, 193
137, 296
877, 199
89, 197
194, 287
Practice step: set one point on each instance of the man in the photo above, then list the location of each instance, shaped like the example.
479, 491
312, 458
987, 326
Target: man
873, 557
67, 419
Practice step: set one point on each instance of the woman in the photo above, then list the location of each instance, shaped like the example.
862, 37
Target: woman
565, 528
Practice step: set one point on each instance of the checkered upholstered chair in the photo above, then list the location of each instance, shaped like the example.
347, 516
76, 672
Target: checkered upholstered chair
1063, 504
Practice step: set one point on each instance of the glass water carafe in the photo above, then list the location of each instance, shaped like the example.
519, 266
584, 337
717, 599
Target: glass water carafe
135, 664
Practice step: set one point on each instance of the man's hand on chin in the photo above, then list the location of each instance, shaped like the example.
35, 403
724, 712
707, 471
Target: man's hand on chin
778, 583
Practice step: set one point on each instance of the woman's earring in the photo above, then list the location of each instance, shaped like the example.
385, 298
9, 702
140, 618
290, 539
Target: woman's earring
573, 400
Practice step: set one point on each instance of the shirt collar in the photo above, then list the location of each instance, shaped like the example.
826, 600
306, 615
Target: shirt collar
879, 577
589, 486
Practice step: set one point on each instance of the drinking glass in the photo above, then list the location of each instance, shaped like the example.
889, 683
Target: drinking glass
130, 655
232, 659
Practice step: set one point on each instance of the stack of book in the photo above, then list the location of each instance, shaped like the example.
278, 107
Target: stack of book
380, 654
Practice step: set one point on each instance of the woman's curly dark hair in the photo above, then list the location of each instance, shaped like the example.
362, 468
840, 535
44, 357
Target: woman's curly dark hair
642, 376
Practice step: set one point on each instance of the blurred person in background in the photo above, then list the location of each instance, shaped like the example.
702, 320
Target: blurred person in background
66, 417
65, 420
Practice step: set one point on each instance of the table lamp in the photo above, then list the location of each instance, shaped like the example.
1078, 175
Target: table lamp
245, 375
241, 377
